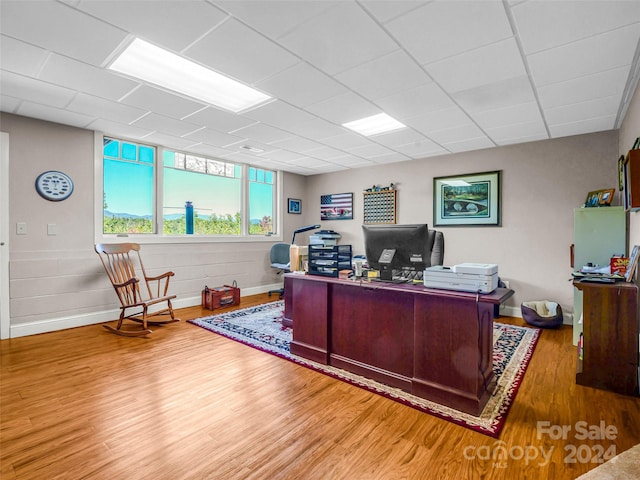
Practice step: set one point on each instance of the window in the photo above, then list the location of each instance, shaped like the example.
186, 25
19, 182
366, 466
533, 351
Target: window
183, 194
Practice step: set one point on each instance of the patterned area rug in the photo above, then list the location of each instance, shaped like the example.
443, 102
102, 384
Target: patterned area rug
261, 327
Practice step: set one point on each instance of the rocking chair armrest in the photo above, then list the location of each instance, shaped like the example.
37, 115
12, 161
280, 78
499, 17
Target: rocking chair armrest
128, 282
160, 277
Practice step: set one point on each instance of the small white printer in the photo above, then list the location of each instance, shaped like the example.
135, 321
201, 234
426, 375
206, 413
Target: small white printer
464, 277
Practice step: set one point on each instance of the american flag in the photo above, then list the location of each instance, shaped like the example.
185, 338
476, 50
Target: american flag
338, 206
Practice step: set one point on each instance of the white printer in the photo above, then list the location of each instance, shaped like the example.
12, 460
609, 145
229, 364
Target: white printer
465, 277
328, 238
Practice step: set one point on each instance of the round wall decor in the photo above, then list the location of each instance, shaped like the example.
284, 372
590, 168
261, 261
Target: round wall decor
55, 186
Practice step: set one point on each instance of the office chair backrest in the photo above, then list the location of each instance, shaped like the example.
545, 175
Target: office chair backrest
437, 251
280, 253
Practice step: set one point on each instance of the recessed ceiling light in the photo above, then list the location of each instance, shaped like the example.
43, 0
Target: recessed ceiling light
375, 124
155, 65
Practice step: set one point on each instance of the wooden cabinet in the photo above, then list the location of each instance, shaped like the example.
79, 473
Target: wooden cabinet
631, 180
608, 353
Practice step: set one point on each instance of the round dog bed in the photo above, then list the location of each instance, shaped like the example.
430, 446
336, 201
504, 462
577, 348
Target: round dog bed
543, 313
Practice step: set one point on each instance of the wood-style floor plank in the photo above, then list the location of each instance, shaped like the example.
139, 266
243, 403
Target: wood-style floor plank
186, 403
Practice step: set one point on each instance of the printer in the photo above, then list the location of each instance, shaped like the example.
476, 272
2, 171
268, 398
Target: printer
326, 238
464, 277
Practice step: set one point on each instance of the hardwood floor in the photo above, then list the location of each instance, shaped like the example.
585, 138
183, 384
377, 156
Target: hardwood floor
186, 403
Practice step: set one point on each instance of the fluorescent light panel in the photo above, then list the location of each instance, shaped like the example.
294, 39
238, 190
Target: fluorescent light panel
173, 72
375, 124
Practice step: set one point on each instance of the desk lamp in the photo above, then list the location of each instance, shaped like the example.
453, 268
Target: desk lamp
303, 229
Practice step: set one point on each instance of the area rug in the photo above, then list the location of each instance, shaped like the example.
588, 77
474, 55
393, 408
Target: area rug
261, 327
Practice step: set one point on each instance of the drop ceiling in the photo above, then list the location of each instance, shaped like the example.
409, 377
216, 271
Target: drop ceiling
461, 75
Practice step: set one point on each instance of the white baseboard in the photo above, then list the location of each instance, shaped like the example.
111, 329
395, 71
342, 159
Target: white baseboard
73, 321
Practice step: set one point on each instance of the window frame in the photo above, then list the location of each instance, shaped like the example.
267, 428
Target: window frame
158, 236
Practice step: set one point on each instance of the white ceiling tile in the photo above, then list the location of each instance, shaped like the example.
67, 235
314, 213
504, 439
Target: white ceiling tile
390, 9
415, 101
214, 137
34, 90
505, 93
390, 158
301, 85
220, 120
298, 144
368, 151
285, 155
512, 115
274, 18
165, 125
343, 108
398, 137
329, 167
383, 76
163, 102
293, 119
325, 153
156, 20
52, 114
339, 38
237, 51
443, 28
167, 140
456, 134
309, 162
525, 139
263, 133
531, 130
117, 129
583, 126
420, 149
470, 144
19, 57
85, 78
106, 109
60, 28
600, 107
564, 22
602, 84
346, 140
595, 54
485, 65
438, 120
209, 150
351, 161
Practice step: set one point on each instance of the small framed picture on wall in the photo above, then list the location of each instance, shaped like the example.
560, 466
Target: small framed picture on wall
294, 205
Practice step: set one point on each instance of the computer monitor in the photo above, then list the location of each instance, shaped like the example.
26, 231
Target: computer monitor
397, 247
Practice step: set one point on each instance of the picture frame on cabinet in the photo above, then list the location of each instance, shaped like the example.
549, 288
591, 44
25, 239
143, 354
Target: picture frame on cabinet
633, 264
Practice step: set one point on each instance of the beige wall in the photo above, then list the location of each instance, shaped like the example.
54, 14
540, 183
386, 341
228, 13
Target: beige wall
542, 183
57, 282
629, 131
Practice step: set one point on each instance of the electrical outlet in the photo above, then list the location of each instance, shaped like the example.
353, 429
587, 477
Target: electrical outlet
21, 228
52, 229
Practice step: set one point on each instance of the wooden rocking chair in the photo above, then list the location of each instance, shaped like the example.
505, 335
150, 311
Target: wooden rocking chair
120, 267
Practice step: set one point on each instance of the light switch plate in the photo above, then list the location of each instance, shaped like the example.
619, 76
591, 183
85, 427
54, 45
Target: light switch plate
21, 228
52, 229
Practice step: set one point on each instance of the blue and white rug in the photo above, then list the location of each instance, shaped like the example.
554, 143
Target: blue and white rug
261, 327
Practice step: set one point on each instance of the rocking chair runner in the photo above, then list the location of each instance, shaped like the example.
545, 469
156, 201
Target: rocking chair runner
120, 267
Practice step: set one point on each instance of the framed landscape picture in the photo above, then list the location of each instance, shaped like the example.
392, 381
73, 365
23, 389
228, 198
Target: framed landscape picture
467, 200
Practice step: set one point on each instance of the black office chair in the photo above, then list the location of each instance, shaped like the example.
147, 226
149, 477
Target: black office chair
280, 260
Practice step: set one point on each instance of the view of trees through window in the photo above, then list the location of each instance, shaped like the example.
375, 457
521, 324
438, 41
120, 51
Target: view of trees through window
200, 196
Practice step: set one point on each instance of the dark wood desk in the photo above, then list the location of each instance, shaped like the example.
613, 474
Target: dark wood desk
436, 344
